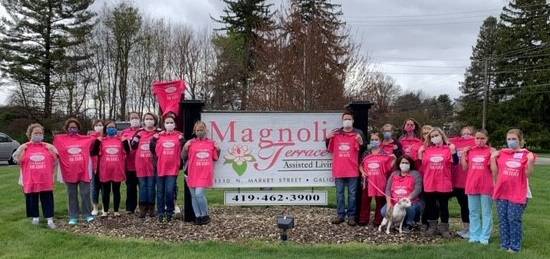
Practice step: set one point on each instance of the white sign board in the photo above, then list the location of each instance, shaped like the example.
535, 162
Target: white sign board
249, 198
272, 149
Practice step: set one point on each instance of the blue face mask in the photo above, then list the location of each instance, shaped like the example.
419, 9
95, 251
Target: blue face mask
111, 131
387, 135
512, 143
374, 144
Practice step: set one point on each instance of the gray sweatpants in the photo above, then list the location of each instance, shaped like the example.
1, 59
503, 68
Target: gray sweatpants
86, 203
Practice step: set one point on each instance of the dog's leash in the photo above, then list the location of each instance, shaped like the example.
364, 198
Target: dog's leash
365, 184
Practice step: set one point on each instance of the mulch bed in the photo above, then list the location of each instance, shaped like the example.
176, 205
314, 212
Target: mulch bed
241, 224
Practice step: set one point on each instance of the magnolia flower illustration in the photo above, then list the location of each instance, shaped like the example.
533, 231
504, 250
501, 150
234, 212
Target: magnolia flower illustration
239, 156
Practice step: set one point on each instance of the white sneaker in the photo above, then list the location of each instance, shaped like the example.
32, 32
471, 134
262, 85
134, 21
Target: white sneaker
94, 211
177, 209
51, 225
35, 221
116, 214
104, 214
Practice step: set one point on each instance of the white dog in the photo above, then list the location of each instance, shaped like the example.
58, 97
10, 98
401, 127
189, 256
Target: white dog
396, 215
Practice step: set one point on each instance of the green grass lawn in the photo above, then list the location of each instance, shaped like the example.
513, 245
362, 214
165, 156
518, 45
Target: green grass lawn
547, 155
18, 238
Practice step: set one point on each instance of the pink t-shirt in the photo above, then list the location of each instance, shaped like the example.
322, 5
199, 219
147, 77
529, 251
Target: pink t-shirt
402, 187
512, 176
459, 175
168, 151
410, 146
388, 148
144, 157
345, 154
377, 168
479, 180
111, 160
37, 168
169, 95
200, 166
436, 165
131, 156
74, 157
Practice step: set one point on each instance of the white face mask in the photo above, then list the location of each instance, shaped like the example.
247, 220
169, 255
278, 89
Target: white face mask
437, 140
134, 123
347, 123
405, 167
98, 129
169, 126
149, 123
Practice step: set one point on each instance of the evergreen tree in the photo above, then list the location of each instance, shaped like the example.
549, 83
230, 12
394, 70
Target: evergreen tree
245, 22
34, 43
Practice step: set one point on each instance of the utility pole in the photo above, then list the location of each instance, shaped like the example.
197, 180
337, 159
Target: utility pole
485, 94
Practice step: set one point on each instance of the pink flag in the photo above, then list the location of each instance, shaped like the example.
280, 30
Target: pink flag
169, 95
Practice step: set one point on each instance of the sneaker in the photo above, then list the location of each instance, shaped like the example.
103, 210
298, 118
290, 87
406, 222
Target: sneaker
177, 209
198, 220
35, 221
73, 221
51, 225
337, 220
205, 220
352, 222
89, 219
484, 242
104, 214
465, 233
117, 214
473, 241
407, 229
510, 250
95, 211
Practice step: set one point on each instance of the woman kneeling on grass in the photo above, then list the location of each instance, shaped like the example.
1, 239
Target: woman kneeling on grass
37, 160
512, 168
201, 153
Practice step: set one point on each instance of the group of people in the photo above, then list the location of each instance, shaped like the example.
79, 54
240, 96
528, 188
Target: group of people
428, 168
147, 158
423, 165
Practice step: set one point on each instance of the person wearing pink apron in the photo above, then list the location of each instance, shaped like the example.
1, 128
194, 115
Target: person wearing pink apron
465, 140
132, 181
37, 160
112, 150
389, 144
76, 169
476, 162
512, 167
375, 169
201, 154
145, 169
405, 182
345, 144
96, 184
166, 147
437, 156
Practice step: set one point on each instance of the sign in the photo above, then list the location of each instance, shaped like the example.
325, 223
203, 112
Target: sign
249, 198
272, 149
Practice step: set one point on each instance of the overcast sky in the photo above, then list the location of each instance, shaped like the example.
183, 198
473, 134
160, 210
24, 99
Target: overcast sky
422, 44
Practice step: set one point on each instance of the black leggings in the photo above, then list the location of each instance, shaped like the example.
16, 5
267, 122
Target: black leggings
46, 200
106, 191
463, 202
437, 205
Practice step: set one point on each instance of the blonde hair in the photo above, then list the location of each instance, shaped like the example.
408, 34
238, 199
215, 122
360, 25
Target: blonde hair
471, 128
518, 133
197, 123
428, 142
32, 127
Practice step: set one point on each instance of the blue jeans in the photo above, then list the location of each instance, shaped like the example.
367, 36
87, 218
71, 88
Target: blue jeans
166, 186
481, 217
341, 184
147, 189
413, 213
511, 230
199, 202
